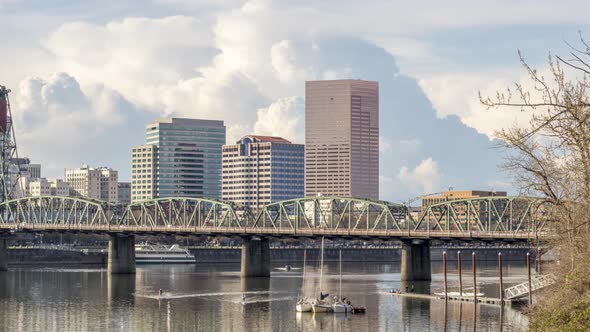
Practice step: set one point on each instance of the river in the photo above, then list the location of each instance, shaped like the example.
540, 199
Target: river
209, 298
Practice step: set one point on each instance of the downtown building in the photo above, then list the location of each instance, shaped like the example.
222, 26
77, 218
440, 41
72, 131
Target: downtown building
181, 158
342, 138
96, 183
452, 195
44, 187
259, 170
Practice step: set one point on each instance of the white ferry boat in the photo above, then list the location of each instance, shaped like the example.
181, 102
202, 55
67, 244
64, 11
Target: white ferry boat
160, 254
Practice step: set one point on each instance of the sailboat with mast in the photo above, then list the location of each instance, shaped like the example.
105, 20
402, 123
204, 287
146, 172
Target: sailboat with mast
340, 306
321, 305
303, 304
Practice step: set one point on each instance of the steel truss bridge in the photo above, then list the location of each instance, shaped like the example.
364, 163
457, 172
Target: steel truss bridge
498, 217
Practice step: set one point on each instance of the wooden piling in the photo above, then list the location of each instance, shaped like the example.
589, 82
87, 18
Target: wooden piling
528, 267
460, 273
445, 271
474, 267
501, 277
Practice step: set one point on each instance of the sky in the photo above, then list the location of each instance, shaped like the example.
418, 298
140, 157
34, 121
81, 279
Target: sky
87, 76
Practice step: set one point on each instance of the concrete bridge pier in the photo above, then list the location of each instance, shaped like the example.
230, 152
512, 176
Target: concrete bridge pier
3, 254
255, 257
415, 261
121, 256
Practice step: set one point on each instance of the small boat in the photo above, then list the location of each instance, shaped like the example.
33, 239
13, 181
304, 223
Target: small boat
321, 307
358, 310
342, 307
243, 299
303, 305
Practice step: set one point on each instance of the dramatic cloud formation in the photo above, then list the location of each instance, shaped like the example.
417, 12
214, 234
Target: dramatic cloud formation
63, 125
246, 62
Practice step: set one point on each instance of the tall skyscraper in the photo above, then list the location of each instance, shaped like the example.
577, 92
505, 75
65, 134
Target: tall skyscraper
342, 138
258, 170
182, 157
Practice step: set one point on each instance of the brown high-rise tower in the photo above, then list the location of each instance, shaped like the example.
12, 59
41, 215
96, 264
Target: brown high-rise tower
342, 138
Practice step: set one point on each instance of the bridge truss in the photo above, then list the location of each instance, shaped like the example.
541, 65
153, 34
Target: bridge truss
495, 214
58, 211
332, 213
484, 217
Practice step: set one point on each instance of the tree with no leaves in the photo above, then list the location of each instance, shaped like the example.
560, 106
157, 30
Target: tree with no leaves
550, 158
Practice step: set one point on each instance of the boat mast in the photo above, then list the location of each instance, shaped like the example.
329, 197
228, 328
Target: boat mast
340, 268
303, 275
321, 267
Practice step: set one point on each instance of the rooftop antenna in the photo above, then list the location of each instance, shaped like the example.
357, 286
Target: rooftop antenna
9, 162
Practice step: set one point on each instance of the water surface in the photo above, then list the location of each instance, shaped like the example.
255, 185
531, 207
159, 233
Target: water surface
208, 298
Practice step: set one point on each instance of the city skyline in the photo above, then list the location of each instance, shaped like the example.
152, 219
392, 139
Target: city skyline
71, 108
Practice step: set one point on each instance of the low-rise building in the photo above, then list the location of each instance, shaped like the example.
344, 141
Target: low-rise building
124, 193
457, 194
97, 183
39, 187
60, 188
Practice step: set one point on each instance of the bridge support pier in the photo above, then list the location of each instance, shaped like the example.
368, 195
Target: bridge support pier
121, 256
3, 254
415, 261
255, 257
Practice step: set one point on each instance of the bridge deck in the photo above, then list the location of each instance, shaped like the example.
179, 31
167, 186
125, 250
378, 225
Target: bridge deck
268, 231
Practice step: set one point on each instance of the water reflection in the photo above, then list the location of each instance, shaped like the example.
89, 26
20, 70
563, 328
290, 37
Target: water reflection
209, 298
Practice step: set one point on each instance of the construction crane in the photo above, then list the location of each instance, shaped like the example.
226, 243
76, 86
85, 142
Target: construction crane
9, 168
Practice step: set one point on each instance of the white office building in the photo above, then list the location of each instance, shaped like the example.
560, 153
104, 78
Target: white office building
97, 183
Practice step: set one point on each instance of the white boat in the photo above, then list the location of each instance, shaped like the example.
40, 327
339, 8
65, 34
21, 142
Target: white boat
321, 305
341, 307
160, 254
303, 304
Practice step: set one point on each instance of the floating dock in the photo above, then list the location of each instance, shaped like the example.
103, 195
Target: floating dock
480, 299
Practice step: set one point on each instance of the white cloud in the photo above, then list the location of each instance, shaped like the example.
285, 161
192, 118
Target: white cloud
284, 118
424, 178
58, 122
240, 64
457, 94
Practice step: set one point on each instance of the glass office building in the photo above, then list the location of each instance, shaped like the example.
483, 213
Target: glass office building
185, 160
